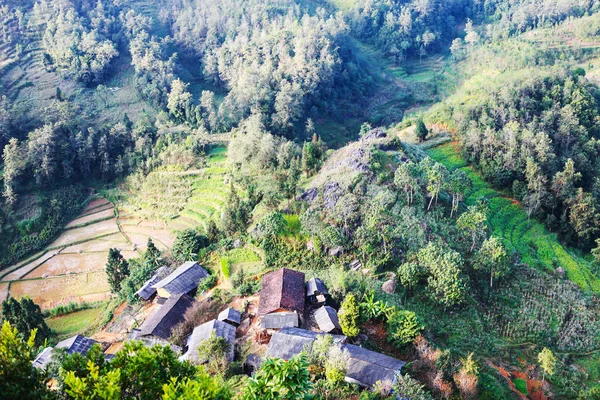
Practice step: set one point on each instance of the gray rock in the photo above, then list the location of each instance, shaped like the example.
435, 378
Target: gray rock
389, 286
560, 271
310, 195
376, 133
237, 243
336, 251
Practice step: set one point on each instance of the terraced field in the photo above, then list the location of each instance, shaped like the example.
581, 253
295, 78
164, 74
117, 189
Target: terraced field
71, 269
537, 247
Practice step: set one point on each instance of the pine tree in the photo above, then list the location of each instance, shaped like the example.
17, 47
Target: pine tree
117, 269
152, 254
421, 130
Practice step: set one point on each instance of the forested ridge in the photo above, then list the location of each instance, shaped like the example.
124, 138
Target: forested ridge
435, 163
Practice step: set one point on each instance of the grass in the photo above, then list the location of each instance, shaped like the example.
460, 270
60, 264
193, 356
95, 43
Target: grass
75, 323
521, 385
536, 246
241, 255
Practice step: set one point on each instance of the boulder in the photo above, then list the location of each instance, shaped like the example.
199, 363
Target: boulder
336, 251
389, 286
560, 271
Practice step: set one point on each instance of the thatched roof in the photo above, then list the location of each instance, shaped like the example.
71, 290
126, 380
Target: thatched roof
327, 319
315, 286
203, 332
289, 342
366, 367
76, 344
282, 290
147, 290
230, 315
183, 280
279, 320
166, 317
43, 358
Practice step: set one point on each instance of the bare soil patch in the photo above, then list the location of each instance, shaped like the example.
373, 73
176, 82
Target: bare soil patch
62, 264
96, 203
54, 291
91, 217
87, 232
3, 291
101, 244
25, 269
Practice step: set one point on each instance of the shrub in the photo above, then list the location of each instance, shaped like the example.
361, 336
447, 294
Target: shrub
225, 267
403, 327
349, 315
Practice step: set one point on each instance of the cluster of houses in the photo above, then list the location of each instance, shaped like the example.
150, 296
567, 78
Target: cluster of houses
286, 304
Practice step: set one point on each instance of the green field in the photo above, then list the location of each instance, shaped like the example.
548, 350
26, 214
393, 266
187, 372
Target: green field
536, 246
75, 323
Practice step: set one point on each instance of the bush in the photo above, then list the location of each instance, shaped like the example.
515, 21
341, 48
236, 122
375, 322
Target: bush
207, 283
349, 315
403, 327
225, 267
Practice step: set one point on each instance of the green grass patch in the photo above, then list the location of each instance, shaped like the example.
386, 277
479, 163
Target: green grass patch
537, 247
75, 323
241, 255
521, 385
225, 267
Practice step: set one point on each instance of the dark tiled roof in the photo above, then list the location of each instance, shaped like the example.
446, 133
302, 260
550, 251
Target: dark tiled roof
183, 280
282, 290
76, 344
366, 367
279, 320
43, 358
203, 332
230, 315
166, 317
147, 290
289, 342
315, 286
151, 341
327, 319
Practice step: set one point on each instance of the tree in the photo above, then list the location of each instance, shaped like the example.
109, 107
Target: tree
14, 164
117, 269
26, 316
349, 315
435, 178
403, 327
458, 185
547, 362
583, 216
409, 275
409, 388
406, 178
280, 380
202, 386
187, 244
152, 255
421, 130
446, 283
596, 254
536, 187
214, 351
472, 36
136, 372
492, 258
19, 379
179, 100
473, 222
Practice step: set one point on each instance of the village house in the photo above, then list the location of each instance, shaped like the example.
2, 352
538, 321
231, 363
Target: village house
282, 299
290, 341
148, 290
316, 291
75, 344
231, 316
183, 280
202, 333
327, 319
365, 367
156, 329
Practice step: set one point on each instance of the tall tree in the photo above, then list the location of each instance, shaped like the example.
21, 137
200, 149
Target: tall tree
547, 362
117, 269
14, 164
19, 379
492, 258
473, 222
25, 316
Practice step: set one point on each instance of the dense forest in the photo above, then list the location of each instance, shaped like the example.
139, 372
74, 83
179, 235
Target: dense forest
435, 163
